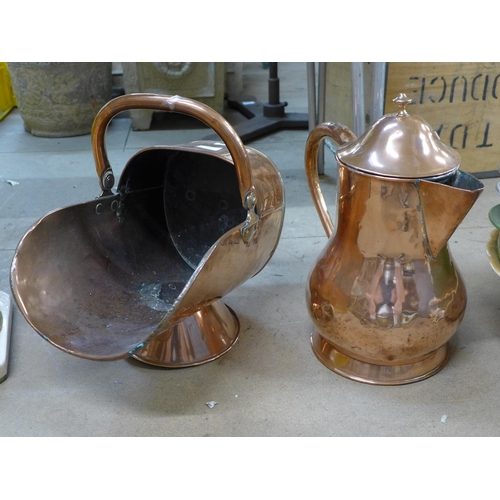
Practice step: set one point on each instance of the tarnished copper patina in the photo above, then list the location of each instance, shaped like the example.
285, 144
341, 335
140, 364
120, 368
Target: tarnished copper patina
141, 271
385, 295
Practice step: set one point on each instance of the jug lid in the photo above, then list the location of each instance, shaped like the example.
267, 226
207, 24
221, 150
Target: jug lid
400, 145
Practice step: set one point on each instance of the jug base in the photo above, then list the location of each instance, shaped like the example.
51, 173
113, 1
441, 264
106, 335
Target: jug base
369, 373
198, 339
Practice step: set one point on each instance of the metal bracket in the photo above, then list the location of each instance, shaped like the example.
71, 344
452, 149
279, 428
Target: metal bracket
250, 227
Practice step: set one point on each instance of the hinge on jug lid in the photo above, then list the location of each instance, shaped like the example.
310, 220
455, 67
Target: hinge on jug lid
250, 228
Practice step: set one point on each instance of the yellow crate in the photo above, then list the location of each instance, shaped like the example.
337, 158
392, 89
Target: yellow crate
7, 98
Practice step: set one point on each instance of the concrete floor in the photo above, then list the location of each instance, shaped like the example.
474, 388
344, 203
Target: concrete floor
269, 383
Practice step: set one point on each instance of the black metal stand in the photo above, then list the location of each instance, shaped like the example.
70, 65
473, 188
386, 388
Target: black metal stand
265, 118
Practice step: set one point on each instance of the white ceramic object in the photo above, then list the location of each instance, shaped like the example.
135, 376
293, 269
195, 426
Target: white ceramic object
5, 322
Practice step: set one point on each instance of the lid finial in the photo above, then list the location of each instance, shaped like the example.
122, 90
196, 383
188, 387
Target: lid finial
402, 101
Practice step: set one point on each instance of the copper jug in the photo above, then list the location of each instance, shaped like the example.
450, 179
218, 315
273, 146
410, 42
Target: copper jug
141, 271
385, 295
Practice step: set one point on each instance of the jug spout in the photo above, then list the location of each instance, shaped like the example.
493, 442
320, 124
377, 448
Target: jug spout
444, 206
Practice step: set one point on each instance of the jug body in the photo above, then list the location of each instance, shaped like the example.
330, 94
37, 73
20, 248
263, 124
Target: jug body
382, 306
385, 296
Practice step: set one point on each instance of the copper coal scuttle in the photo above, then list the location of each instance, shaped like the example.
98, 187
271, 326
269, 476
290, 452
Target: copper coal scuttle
385, 295
141, 271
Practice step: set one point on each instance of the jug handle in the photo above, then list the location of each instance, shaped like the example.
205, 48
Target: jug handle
341, 135
174, 104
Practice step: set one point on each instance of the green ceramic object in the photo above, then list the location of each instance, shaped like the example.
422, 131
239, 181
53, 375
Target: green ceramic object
494, 215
